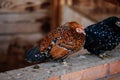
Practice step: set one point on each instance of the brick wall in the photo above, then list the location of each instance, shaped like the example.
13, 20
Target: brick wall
79, 67
103, 72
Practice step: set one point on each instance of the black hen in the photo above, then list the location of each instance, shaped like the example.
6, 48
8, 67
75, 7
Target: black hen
103, 36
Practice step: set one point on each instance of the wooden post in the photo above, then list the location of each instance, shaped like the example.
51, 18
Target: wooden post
56, 12
69, 2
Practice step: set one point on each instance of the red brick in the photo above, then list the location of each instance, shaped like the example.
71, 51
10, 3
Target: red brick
114, 78
87, 74
54, 78
95, 72
115, 67
72, 76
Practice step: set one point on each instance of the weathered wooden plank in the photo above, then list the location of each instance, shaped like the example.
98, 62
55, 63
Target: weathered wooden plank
30, 37
6, 40
20, 28
22, 17
3, 48
17, 2
19, 5
24, 8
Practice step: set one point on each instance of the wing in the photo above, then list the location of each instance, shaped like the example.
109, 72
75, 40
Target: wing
58, 52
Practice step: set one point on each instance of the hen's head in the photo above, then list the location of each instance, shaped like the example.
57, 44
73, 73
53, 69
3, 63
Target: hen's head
114, 22
75, 27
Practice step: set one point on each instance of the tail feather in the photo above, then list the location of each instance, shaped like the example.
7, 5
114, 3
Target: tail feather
34, 55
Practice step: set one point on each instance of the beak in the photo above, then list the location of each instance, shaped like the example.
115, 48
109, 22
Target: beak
83, 29
84, 33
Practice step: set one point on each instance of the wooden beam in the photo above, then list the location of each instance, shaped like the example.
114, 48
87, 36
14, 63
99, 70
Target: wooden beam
20, 28
56, 12
116, 2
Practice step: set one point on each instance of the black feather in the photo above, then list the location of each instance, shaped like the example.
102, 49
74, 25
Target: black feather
34, 55
103, 36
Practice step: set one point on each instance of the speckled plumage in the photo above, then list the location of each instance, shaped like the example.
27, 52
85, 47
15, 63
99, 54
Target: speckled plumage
103, 36
58, 44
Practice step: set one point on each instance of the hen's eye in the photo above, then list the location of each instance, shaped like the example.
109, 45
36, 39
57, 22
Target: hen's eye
78, 30
118, 23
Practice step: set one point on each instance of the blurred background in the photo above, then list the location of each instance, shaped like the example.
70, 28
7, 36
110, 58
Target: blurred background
24, 22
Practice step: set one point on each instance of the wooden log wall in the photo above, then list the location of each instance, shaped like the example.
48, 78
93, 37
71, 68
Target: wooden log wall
22, 23
24, 19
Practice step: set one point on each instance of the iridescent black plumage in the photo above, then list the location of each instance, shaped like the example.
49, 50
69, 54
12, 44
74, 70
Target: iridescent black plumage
103, 36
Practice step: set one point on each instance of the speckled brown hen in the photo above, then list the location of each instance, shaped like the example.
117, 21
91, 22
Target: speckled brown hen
58, 44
